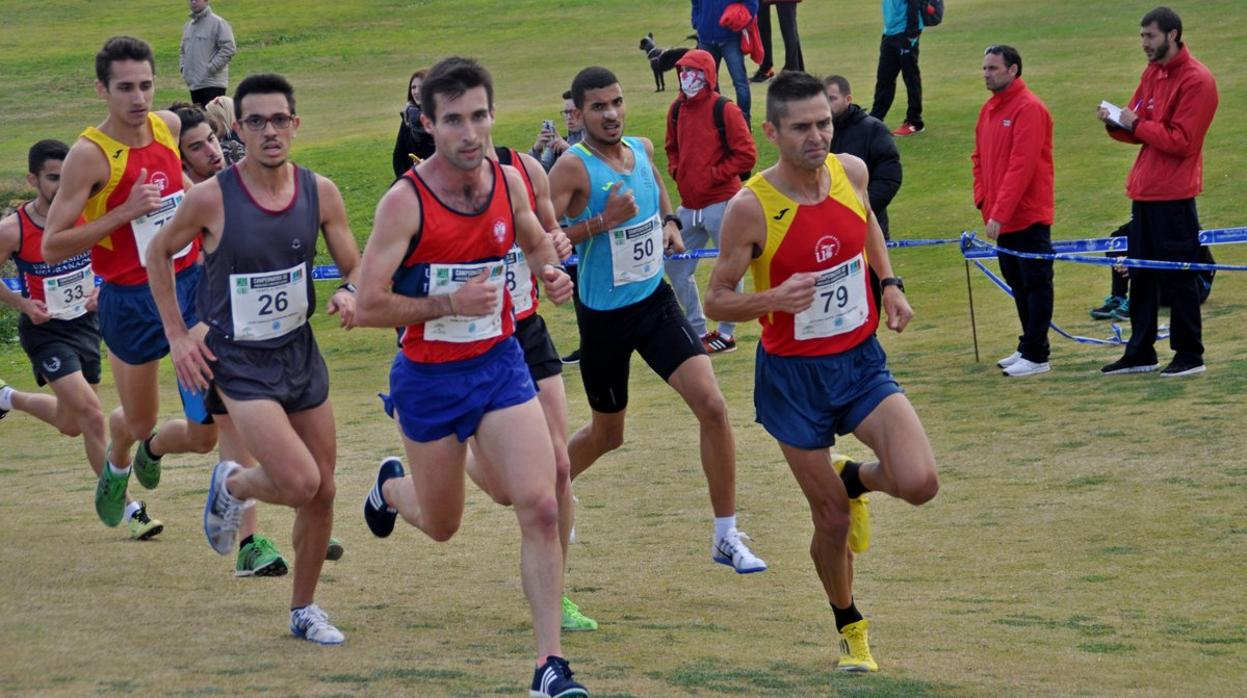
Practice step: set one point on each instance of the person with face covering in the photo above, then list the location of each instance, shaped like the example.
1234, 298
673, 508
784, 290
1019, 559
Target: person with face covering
705, 156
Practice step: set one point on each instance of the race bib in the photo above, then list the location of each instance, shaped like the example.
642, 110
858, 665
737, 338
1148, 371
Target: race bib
268, 304
519, 280
146, 226
66, 295
636, 251
840, 302
447, 278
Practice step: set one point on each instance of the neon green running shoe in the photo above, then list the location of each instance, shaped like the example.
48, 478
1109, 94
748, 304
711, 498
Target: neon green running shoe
110, 493
574, 620
335, 550
146, 466
259, 558
859, 512
143, 527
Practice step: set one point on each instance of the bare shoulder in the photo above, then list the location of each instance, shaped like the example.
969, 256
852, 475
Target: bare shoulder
205, 194
858, 174
570, 172
649, 145
325, 186
172, 121
86, 160
10, 233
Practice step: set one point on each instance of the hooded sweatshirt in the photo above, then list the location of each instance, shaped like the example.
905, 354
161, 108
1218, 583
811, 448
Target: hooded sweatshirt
702, 171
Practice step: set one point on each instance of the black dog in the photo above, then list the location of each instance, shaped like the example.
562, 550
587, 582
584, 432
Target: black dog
660, 60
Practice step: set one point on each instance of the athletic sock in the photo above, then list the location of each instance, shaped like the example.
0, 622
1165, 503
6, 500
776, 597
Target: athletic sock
846, 616
131, 509
722, 525
147, 444
118, 471
852, 480
246, 541
6, 397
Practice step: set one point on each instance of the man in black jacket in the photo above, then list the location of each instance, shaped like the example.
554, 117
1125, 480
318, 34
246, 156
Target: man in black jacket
858, 133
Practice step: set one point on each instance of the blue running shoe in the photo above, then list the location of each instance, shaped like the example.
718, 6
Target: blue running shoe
554, 680
223, 511
311, 623
377, 514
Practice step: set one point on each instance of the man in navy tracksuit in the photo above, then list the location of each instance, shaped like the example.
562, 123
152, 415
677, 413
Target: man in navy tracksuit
898, 53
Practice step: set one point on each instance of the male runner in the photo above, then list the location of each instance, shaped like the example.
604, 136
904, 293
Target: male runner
124, 179
260, 221
198, 145
436, 264
57, 327
806, 227
622, 221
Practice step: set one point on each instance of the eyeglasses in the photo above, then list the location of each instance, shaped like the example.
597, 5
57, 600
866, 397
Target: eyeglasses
255, 122
567, 112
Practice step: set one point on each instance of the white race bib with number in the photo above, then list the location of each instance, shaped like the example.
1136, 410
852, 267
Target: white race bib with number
66, 295
448, 278
519, 280
840, 302
146, 226
636, 251
268, 304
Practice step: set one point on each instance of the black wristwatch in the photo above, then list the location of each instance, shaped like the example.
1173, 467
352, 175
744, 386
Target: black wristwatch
347, 286
893, 281
672, 218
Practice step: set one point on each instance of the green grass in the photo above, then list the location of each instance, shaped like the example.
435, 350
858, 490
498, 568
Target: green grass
1087, 540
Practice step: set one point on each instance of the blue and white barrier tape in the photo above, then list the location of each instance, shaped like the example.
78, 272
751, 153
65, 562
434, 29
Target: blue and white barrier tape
1066, 250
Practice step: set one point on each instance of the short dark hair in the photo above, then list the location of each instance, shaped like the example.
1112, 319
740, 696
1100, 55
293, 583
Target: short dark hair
191, 116
418, 74
1008, 54
841, 83
1166, 19
567, 94
451, 77
790, 86
592, 78
263, 84
43, 151
122, 48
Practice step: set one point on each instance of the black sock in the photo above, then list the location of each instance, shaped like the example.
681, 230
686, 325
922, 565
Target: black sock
852, 480
147, 444
846, 616
245, 541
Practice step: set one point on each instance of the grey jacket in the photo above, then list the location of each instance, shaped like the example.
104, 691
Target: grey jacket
207, 47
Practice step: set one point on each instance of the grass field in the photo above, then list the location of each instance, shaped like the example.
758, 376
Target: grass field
1090, 537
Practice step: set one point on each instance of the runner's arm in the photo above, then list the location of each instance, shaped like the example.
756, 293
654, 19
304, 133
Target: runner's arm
672, 240
894, 303
569, 184
342, 248
537, 246
85, 168
545, 210
10, 243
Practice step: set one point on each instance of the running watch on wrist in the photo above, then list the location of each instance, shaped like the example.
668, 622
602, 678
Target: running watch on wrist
893, 281
672, 218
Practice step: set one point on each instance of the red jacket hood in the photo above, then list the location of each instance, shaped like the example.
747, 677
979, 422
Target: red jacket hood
703, 61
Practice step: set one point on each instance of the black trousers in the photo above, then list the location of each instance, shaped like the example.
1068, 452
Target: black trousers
1164, 230
896, 55
206, 94
1031, 280
787, 11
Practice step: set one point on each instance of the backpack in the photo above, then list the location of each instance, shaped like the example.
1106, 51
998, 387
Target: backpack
719, 124
932, 12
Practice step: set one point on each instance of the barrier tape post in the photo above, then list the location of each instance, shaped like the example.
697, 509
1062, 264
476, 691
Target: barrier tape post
974, 329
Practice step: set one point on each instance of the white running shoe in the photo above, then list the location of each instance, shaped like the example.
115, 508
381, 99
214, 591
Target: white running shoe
223, 511
312, 624
731, 550
1026, 367
1010, 360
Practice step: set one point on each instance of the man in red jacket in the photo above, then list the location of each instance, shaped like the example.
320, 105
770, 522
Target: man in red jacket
705, 156
1013, 190
1169, 116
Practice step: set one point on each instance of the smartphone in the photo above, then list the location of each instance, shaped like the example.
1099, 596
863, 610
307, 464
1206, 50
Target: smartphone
547, 125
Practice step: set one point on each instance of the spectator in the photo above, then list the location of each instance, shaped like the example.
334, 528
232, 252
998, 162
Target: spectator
412, 138
705, 156
1117, 303
724, 44
550, 145
1169, 116
858, 133
1013, 191
793, 60
207, 47
220, 112
898, 53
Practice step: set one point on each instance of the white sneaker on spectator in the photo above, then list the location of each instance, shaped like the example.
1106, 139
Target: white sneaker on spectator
1026, 367
1009, 360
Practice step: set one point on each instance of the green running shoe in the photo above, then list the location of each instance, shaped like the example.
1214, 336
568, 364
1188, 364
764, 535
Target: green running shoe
335, 550
574, 620
142, 527
3, 385
110, 494
259, 558
146, 466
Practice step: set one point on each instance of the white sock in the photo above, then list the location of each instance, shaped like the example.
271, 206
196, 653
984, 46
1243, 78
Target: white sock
6, 397
724, 335
131, 508
118, 470
723, 525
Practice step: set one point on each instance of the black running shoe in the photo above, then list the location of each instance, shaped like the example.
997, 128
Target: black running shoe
1183, 367
554, 680
377, 514
572, 358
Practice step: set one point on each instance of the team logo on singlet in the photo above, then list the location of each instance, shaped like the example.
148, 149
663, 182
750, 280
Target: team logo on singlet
296, 244
826, 248
500, 230
161, 180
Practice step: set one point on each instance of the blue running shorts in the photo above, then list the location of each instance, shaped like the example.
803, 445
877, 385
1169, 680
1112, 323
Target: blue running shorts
130, 322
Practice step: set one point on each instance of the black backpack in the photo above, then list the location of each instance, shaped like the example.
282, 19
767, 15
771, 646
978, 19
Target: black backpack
932, 12
719, 123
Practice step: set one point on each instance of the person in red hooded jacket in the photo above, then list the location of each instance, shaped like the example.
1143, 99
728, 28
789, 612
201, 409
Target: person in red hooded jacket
706, 167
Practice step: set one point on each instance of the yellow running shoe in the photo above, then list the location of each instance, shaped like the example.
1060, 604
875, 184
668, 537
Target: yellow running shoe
859, 512
855, 649
143, 527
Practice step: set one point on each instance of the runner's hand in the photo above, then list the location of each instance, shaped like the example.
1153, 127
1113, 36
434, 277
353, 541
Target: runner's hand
342, 303
796, 293
896, 306
672, 241
557, 283
144, 197
190, 359
619, 207
37, 311
93, 299
562, 245
477, 297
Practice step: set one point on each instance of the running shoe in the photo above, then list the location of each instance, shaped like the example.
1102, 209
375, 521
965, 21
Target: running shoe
335, 550
3, 385
763, 75
311, 623
859, 511
715, 343
146, 466
1105, 312
855, 649
143, 527
1129, 365
908, 129
572, 358
1122, 312
731, 550
377, 514
574, 620
1182, 367
223, 511
110, 493
554, 680
1009, 360
259, 558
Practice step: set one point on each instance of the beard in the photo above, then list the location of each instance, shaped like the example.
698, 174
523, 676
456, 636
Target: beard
1162, 51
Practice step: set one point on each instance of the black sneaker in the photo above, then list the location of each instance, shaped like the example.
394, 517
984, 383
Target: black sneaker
554, 680
1129, 365
1108, 310
572, 358
1183, 367
377, 514
763, 75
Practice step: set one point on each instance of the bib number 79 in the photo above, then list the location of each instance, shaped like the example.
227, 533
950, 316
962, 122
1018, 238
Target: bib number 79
278, 302
841, 296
